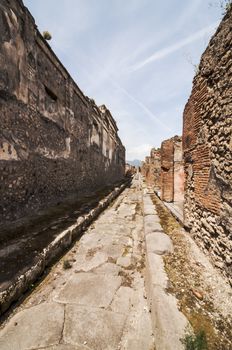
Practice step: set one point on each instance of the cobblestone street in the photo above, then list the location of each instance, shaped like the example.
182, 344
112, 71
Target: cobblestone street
94, 298
115, 175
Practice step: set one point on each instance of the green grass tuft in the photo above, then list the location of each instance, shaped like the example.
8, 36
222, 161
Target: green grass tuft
66, 264
47, 35
195, 342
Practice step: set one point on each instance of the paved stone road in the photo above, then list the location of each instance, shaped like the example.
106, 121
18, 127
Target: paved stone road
98, 303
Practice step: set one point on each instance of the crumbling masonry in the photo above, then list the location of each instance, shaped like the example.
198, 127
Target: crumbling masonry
172, 170
54, 141
207, 146
164, 170
151, 169
206, 179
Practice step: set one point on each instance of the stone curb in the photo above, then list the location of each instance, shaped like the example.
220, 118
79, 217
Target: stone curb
174, 213
168, 323
172, 210
54, 250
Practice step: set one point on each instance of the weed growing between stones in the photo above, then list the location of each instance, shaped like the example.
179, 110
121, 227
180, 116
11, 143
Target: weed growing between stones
127, 278
225, 5
195, 342
186, 283
66, 264
47, 35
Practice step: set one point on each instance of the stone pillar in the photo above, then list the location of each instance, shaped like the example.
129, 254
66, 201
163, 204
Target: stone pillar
156, 168
178, 171
151, 169
167, 170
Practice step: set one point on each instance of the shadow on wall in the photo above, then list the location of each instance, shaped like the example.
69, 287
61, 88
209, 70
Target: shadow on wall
54, 140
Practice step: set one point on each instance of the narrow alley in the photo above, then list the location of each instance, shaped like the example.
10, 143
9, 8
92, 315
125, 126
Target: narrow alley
125, 285
100, 250
94, 298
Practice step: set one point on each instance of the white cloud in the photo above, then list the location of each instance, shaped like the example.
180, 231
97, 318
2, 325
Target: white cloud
139, 152
172, 48
101, 41
149, 113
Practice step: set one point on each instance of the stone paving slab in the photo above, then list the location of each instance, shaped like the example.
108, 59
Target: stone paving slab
67, 347
114, 251
107, 269
122, 300
156, 227
138, 333
149, 210
101, 296
159, 243
150, 220
36, 327
169, 324
155, 271
98, 329
151, 223
26, 275
89, 289
84, 263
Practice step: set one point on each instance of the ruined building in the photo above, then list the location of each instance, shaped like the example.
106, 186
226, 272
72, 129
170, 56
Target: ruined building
164, 170
151, 169
207, 146
130, 170
54, 141
202, 172
172, 170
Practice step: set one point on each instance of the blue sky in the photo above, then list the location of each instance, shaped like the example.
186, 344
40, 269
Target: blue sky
135, 56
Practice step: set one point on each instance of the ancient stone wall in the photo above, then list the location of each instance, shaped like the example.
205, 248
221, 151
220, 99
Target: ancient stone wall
172, 170
207, 146
151, 169
54, 141
130, 170
145, 168
179, 176
167, 170
156, 168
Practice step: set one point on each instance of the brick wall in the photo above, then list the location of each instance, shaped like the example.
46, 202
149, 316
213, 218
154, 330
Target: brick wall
207, 146
54, 141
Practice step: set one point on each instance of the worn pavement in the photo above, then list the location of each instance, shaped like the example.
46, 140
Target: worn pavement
94, 298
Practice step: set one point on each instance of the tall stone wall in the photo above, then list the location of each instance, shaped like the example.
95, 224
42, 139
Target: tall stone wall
167, 170
207, 145
54, 141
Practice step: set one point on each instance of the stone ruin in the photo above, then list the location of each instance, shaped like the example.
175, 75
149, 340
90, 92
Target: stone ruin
55, 142
207, 150
198, 168
151, 169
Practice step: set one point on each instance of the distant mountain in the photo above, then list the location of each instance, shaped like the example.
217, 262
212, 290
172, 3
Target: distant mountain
135, 162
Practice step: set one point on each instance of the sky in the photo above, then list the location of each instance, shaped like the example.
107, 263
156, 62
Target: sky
138, 57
